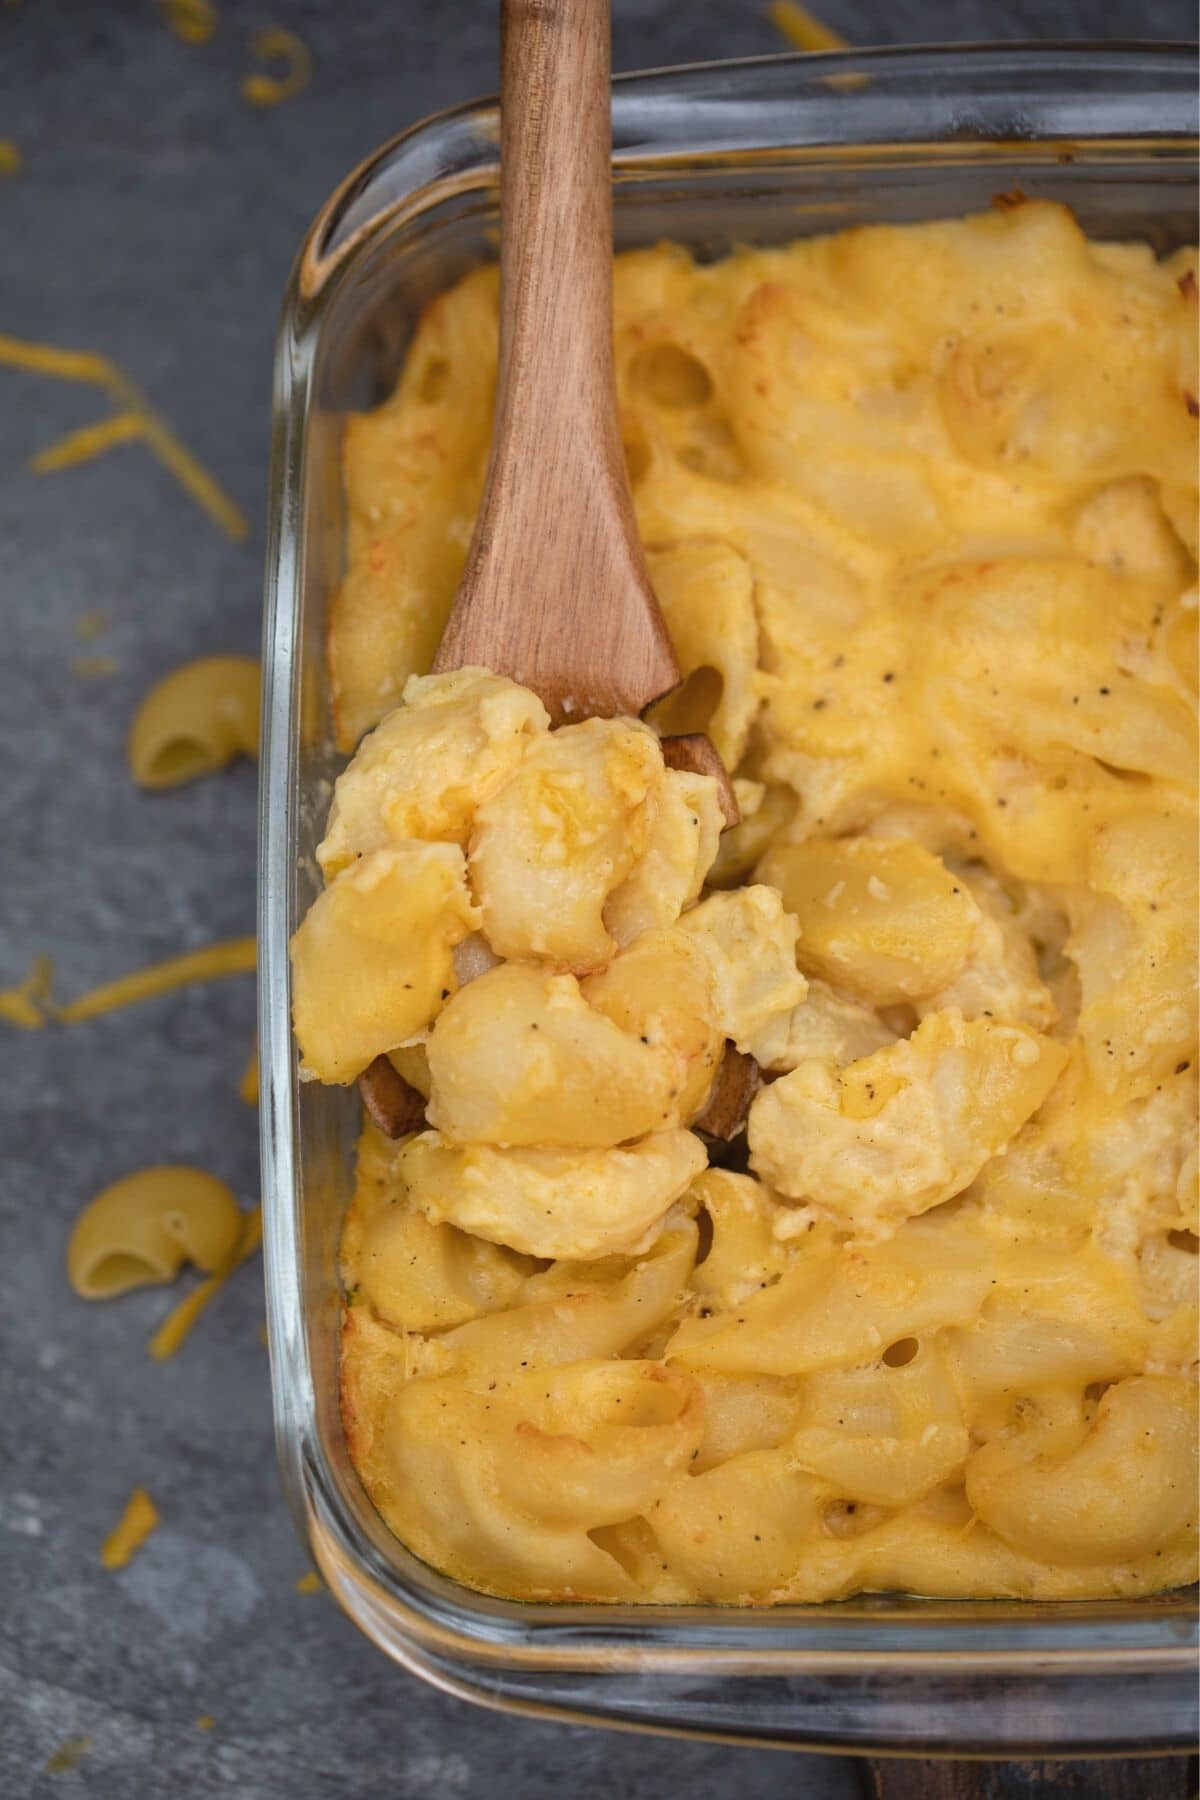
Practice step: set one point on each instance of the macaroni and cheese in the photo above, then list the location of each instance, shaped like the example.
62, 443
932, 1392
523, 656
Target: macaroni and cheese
919, 504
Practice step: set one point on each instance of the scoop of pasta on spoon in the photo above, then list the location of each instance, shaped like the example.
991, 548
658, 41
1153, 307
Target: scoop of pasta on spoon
555, 593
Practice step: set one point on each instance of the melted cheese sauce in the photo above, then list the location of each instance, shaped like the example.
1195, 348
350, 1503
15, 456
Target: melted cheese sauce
920, 505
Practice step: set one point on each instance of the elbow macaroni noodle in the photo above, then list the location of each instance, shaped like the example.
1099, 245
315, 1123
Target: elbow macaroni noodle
197, 719
141, 1230
920, 507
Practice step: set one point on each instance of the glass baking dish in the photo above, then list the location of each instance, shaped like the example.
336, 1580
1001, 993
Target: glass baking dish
714, 155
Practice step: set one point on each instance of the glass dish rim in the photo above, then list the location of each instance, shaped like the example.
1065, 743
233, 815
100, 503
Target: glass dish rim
444, 1616
1063, 57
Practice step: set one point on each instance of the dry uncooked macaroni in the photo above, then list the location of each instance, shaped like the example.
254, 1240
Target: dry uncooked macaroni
141, 1230
920, 507
195, 720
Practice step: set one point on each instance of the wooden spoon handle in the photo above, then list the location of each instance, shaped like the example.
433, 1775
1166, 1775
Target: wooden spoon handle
555, 591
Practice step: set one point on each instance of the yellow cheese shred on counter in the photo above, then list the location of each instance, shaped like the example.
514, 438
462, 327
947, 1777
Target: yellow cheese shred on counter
68, 1756
177, 1324
274, 44
27, 1004
800, 27
79, 446
89, 441
127, 1537
192, 21
213, 962
24, 1003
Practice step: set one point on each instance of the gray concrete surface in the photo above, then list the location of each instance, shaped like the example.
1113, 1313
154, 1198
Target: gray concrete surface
153, 219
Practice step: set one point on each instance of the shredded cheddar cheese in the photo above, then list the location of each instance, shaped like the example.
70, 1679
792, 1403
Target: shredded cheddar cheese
192, 21
90, 625
194, 479
127, 1537
310, 1583
274, 44
68, 1756
61, 365
177, 1324
135, 419
91, 440
211, 963
800, 27
23, 1005
10, 157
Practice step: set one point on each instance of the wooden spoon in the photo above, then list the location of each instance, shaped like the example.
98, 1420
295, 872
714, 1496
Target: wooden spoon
555, 592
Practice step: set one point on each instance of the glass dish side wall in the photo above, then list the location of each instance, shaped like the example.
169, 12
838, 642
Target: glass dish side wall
711, 156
